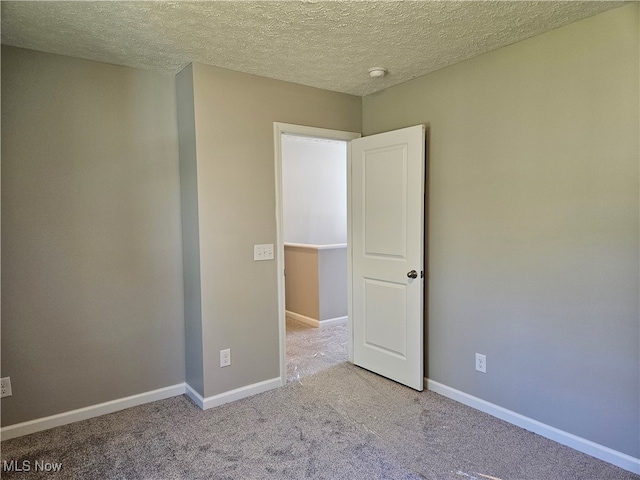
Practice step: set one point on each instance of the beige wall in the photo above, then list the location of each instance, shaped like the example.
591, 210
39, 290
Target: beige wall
332, 280
91, 252
301, 281
190, 230
234, 115
316, 281
533, 221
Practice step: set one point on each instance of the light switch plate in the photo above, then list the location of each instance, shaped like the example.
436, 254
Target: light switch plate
263, 252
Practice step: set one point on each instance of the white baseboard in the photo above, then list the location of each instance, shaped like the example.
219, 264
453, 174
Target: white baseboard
583, 445
333, 321
33, 426
312, 322
40, 424
232, 395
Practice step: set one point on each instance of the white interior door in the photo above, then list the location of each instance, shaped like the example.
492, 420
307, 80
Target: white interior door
387, 225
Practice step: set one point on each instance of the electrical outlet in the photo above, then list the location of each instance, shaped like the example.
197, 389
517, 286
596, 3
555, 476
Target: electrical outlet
481, 363
5, 387
225, 357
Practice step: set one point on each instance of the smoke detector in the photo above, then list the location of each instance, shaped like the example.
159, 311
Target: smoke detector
377, 72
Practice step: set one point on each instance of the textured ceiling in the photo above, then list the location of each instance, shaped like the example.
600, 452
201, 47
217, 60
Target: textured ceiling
325, 44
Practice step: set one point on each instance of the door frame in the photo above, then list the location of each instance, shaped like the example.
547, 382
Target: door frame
279, 129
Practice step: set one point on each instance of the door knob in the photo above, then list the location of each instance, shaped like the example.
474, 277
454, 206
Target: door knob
412, 274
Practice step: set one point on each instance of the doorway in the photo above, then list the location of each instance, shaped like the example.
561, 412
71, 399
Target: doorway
385, 255
313, 243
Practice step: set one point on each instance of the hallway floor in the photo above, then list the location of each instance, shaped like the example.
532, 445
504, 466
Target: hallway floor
310, 350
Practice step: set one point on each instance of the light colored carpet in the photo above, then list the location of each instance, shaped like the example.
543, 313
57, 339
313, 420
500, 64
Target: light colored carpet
340, 423
311, 350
